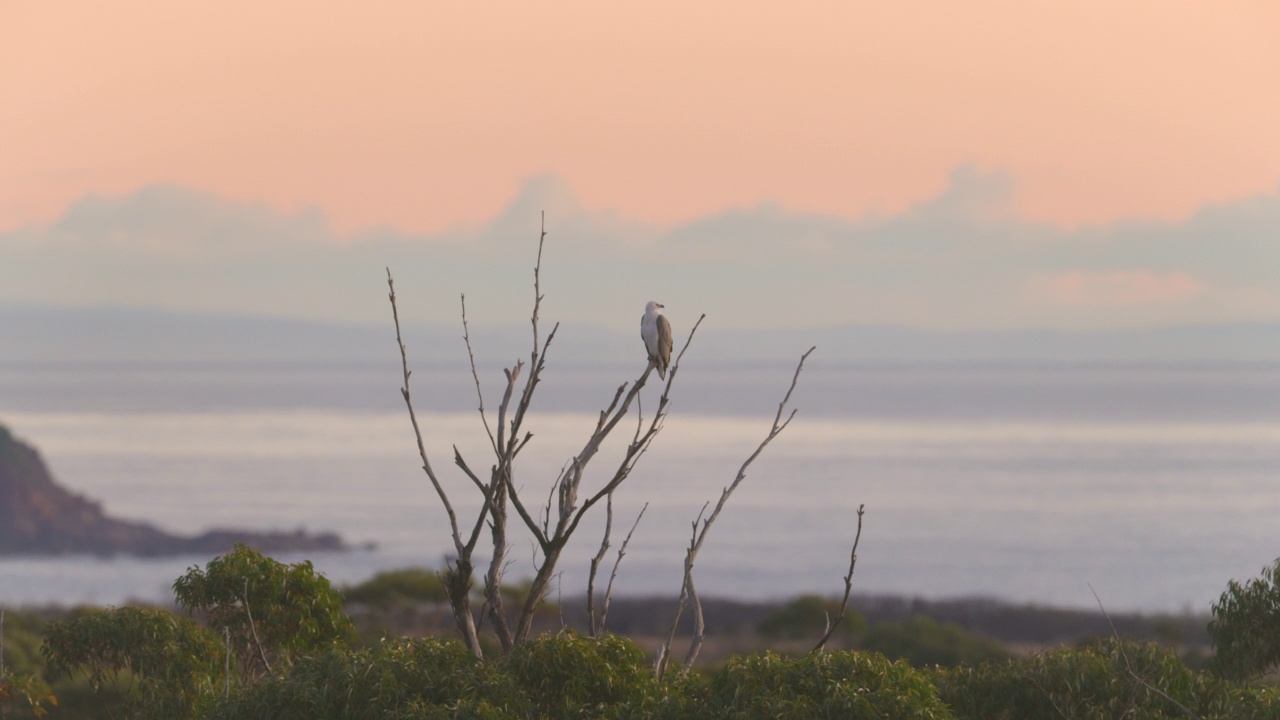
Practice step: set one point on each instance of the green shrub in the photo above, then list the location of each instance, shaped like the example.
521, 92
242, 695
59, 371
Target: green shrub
1246, 627
272, 611
567, 675
154, 663
398, 587
806, 617
423, 678
1142, 681
923, 642
844, 684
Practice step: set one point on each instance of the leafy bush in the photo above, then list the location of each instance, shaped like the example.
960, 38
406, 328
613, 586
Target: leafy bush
422, 678
567, 675
273, 611
922, 642
844, 684
1142, 681
399, 587
175, 661
1246, 627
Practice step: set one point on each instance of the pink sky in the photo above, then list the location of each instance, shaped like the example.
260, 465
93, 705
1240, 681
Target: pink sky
423, 116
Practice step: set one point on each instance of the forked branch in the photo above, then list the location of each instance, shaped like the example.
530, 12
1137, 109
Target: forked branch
688, 593
848, 588
595, 628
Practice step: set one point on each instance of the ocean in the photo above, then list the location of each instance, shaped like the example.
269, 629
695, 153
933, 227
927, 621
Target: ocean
1154, 485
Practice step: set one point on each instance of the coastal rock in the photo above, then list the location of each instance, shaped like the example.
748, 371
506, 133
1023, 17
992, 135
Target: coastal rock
40, 517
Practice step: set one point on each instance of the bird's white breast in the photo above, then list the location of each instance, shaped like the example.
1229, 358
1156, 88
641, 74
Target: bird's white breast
649, 332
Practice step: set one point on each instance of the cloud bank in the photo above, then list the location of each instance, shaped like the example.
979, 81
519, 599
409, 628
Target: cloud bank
961, 261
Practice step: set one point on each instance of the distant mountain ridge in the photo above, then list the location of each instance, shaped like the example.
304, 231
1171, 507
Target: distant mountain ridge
36, 333
40, 517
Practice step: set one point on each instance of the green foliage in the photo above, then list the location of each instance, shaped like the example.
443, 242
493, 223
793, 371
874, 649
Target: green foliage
34, 692
274, 612
806, 617
570, 676
169, 662
423, 678
22, 632
1135, 680
1246, 627
843, 684
399, 587
923, 641
680, 696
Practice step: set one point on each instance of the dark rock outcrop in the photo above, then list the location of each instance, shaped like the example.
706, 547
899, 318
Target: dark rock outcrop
40, 517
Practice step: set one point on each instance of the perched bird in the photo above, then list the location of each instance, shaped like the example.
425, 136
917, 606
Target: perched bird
656, 333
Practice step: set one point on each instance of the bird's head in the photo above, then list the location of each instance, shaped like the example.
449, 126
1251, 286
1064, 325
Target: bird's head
653, 306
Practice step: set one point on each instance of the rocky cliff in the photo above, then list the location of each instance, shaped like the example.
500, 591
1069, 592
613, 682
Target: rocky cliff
40, 517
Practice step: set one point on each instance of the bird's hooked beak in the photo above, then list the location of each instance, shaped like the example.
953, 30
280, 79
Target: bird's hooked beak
661, 305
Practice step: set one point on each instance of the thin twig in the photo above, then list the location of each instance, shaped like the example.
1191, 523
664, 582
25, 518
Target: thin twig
226, 673
622, 551
1048, 696
1129, 666
848, 588
466, 337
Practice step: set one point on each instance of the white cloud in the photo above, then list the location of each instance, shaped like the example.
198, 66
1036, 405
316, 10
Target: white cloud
962, 260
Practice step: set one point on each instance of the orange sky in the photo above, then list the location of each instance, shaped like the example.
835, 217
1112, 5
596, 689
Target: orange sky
422, 116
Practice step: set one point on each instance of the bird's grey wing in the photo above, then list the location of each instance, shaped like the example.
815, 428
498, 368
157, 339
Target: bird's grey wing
664, 340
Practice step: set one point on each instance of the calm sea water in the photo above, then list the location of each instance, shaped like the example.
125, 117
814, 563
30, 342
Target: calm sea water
1154, 484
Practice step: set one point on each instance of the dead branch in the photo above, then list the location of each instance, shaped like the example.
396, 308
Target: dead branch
413, 418
466, 337
687, 592
594, 629
848, 588
595, 565
622, 551
458, 577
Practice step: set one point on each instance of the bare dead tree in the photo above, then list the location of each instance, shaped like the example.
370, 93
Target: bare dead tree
848, 588
688, 592
507, 437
